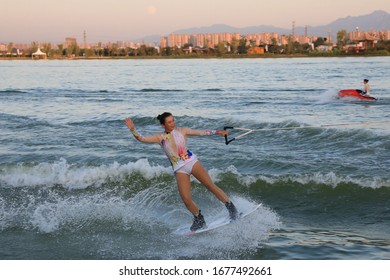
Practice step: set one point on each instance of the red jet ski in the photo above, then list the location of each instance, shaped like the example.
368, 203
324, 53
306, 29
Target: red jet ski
354, 93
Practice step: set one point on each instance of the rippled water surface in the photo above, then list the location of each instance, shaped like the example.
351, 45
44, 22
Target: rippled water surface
74, 183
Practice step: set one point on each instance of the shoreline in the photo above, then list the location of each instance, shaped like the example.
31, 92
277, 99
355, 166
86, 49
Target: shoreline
241, 56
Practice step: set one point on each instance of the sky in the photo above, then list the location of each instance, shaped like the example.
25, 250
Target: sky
24, 21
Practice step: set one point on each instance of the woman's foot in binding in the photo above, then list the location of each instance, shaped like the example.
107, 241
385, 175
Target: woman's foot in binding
233, 212
198, 223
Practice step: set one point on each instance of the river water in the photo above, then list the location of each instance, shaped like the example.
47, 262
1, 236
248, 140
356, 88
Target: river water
75, 184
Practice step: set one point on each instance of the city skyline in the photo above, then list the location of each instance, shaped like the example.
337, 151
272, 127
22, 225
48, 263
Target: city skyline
256, 43
25, 21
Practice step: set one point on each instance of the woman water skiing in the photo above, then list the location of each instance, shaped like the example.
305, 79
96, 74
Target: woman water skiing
184, 163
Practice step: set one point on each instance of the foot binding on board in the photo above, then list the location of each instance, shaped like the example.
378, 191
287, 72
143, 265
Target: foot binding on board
233, 213
198, 223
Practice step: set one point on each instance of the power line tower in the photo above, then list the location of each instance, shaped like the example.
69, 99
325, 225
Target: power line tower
85, 39
293, 28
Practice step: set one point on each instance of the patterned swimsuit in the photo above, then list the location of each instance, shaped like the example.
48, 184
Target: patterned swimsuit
175, 147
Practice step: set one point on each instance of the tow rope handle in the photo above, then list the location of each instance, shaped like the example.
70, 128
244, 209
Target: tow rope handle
227, 141
246, 131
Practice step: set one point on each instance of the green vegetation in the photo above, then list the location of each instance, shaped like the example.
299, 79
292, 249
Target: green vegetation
236, 49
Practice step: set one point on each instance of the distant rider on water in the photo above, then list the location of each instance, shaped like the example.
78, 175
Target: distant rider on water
366, 89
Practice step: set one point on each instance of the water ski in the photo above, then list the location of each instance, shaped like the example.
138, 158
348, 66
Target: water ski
215, 224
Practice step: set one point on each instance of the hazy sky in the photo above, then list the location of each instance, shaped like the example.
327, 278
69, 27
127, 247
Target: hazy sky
113, 20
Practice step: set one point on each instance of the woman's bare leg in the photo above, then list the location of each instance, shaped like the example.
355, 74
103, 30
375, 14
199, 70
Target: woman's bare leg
203, 176
184, 187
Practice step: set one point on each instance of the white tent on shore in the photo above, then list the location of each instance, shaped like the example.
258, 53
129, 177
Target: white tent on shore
39, 55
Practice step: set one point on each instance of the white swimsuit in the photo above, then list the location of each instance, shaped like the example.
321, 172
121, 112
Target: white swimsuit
175, 147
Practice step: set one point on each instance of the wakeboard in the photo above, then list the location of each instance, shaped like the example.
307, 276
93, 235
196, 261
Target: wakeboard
185, 230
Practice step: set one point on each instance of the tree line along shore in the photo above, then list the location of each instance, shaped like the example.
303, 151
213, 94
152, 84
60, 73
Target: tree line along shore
243, 49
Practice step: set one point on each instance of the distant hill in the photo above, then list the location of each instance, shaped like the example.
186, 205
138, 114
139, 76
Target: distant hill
155, 39
377, 20
222, 28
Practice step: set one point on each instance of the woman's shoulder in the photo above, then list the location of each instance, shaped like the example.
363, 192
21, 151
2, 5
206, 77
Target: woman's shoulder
182, 130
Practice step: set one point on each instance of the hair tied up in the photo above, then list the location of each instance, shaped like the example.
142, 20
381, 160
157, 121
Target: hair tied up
163, 116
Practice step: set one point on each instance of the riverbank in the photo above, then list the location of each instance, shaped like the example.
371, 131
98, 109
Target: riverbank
203, 56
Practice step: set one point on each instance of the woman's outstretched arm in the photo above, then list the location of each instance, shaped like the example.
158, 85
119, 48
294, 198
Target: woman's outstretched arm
206, 132
145, 139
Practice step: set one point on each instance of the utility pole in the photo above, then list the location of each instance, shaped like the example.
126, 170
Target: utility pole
293, 28
85, 39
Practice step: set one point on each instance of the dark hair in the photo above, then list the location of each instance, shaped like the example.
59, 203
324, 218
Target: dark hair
163, 116
365, 80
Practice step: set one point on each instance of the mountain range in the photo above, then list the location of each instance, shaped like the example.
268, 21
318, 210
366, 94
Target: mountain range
377, 20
